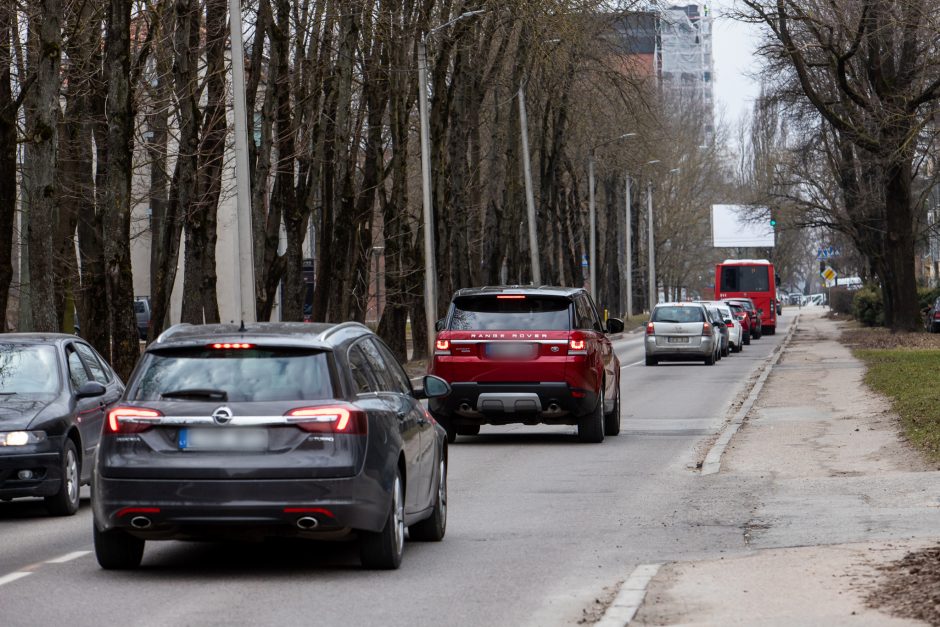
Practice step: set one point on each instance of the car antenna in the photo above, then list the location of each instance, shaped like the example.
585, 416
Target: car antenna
241, 329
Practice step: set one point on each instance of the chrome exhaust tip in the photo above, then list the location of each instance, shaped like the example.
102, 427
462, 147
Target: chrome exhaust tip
465, 407
140, 522
307, 522
554, 408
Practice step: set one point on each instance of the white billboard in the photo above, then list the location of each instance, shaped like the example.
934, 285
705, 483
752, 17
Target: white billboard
741, 226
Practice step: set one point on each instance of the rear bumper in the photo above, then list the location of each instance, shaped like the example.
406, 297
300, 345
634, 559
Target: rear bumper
677, 351
472, 403
193, 509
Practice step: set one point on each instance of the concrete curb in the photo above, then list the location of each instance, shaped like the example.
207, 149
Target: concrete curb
713, 460
630, 597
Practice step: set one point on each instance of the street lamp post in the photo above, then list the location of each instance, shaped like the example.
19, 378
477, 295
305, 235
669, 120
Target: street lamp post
244, 244
430, 271
652, 252
628, 236
529, 192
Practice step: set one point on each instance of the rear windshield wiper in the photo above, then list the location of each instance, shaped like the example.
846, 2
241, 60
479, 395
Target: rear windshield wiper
212, 395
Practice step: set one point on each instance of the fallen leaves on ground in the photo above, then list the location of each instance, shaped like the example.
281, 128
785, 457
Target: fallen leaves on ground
911, 587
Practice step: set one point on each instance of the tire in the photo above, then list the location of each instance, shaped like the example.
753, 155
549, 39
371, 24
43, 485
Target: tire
382, 550
468, 430
591, 427
726, 351
737, 348
710, 360
612, 420
432, 528
65, 501
747, 338
652, 361
771, 331
117, 549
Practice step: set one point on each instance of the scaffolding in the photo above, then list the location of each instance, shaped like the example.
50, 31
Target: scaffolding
684, 56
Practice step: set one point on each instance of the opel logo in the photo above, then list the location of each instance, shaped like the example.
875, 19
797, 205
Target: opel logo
222, 416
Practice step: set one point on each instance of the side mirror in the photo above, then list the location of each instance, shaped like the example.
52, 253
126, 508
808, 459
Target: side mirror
729, 321
90, 389
760, 311
439, 325
615, 325
432, 387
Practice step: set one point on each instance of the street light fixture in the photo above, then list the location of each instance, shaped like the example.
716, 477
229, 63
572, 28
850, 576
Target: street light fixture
592, 213
430, 271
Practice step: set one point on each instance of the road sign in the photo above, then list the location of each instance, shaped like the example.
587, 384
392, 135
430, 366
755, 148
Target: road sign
829, 274
826, 252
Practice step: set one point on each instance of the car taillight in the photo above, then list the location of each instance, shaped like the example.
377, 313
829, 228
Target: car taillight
936, 315
442, 347
706, 328
331, 419
577, 345
650, 329
131, 419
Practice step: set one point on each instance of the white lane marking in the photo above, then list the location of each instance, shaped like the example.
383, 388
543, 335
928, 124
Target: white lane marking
636, 363
68, 557
630, 597
13, 577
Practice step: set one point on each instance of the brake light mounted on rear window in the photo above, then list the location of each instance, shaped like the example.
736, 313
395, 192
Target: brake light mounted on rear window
131, 420
329, 419
510, 297
229, 345
576, 344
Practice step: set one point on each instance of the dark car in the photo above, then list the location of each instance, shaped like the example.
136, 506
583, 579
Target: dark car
272, 429
753, 313
55, 391
932, 317
527, 355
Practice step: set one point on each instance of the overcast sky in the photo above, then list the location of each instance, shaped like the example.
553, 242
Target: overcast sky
733, 45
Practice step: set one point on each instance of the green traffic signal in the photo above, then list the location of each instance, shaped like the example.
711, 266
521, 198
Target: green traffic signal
773, 222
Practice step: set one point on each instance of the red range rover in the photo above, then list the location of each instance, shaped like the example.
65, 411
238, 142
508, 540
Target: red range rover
527, 355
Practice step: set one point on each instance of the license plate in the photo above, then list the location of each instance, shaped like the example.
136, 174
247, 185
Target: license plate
677, 340
509, 350
223, 439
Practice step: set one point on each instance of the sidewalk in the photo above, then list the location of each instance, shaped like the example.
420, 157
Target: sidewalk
840, 496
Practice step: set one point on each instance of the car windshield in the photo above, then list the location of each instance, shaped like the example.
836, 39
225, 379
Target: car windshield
677, 314
139, 307
520, 312
28, 369
745, 304
253, 374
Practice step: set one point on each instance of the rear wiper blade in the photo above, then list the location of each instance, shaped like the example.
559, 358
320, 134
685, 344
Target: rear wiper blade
212, 395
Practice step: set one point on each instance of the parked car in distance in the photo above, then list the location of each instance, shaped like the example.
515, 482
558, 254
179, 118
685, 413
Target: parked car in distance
740, 315
142, 311
724, 342
270, 429
55, 391
681, 332
932, 319
527, 355
735, 329
754, 315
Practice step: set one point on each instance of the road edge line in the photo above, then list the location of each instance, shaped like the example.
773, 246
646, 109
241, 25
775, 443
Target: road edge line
712, 464
5, 579
629, 597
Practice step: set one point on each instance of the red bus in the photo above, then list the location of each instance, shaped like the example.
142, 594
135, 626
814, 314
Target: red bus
750, 278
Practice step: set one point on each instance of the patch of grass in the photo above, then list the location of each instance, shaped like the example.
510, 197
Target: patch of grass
908, 376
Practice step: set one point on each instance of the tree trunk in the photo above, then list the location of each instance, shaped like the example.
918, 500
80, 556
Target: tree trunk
39, 168
117, 210
8, 114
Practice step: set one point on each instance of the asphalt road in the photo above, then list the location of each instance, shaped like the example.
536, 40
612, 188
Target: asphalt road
539, 527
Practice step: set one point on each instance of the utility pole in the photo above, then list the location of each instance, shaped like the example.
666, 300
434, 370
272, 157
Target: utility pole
529, 193
592, 220
652, 253
430, 271
629, 251
244, 248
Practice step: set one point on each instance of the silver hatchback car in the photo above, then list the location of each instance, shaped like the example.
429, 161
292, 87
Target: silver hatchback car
681, 332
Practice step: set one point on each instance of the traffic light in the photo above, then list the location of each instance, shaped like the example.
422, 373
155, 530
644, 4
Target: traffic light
773, 221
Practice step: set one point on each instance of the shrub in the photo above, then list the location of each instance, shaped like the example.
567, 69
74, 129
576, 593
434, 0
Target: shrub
841, 300
868, 306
